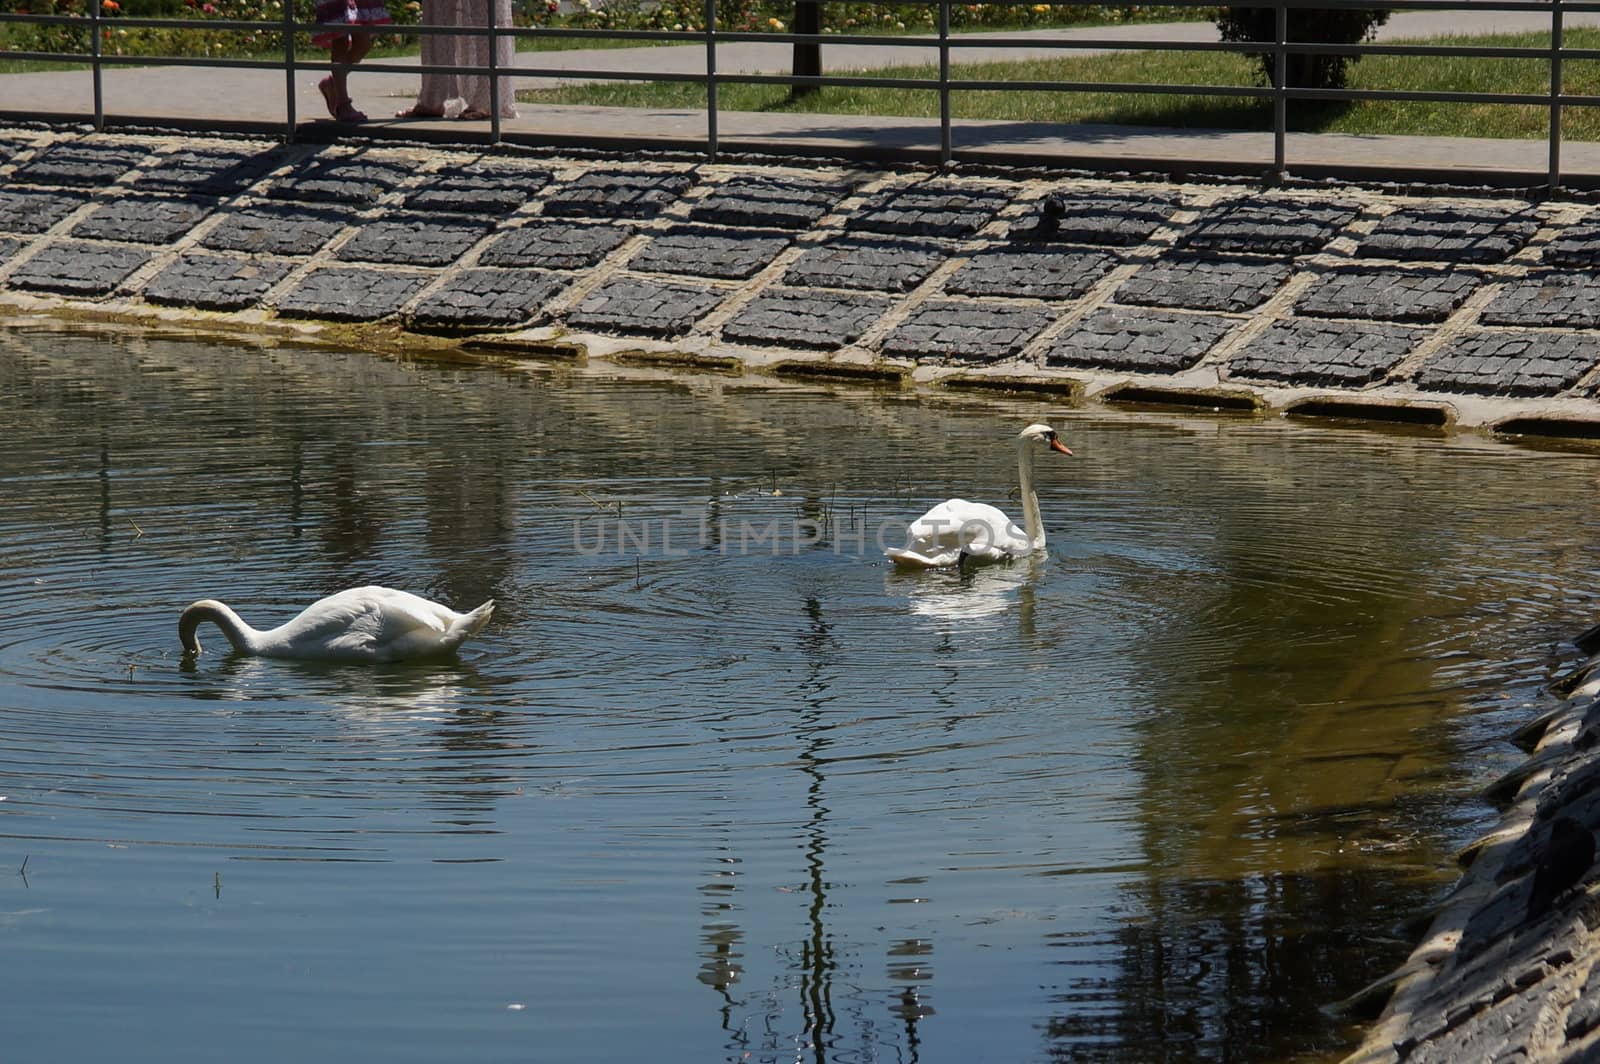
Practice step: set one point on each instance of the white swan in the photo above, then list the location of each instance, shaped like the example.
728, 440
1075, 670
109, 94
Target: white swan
957, 529
371, 624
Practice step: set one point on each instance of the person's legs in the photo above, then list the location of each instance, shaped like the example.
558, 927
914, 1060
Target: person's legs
475, 87
437, 50
344, 53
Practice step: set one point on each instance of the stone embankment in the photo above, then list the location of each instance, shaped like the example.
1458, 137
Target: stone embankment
1510, 969
1318, 300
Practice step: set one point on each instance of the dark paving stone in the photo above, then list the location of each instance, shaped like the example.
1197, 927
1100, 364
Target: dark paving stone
1346, 354
617, 194
788, 317
875, 265
416, 239
216, 282
770, 202
479, 188
1576, 245
1143, 340
1095, 218
78, 269
1048, 271
278, 228
13, 147
487, 299
1389, 295
144, 219
28, 210
340, 180
347, 293
710, 253
85, 164
9, 246
1270, 226
966, 332
555, 245
1509, 363
208, 171
930, 209
1205, 283
1450, 234
1547, 299
1584, 1016
637, 305
1501, 1032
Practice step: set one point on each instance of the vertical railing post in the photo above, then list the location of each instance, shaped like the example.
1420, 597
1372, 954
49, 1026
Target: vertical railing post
94, 65
291, 118
711, 80
494, 74
1280, 91
946, 148
1555, 93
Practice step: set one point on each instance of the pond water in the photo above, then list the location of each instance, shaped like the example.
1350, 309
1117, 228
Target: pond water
716, 783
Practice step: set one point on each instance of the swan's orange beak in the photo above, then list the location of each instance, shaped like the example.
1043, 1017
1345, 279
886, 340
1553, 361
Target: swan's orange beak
1057, 445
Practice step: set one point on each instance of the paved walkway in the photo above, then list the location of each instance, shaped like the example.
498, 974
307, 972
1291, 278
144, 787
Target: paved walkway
225, 98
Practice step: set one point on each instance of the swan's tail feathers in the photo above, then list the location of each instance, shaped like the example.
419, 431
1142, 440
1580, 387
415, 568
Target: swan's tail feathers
472, 623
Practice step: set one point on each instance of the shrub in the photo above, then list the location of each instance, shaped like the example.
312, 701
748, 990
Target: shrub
745, 16
1310, 25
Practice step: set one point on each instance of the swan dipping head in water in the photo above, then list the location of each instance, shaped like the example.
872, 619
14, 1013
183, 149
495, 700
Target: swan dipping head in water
957, 530
363, 624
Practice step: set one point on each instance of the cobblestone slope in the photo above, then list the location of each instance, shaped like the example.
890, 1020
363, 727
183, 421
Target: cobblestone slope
1510, 970
1478, 310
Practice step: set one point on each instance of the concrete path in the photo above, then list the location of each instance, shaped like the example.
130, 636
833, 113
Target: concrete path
243, 99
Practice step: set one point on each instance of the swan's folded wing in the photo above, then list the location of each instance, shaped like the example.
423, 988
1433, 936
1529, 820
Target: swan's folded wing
360, 622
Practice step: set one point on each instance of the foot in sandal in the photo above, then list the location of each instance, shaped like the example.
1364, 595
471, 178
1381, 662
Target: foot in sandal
330, 95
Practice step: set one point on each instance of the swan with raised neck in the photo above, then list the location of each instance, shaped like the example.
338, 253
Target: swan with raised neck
957, 530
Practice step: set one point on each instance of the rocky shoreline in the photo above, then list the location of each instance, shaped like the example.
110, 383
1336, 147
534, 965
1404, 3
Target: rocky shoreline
1508, 969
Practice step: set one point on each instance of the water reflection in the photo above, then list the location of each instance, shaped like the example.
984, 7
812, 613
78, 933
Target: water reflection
1158, 793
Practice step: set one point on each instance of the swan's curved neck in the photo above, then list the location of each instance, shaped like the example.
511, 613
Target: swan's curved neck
244, 638
1032, 523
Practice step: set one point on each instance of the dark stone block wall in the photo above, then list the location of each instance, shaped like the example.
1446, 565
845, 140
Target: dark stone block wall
1220, 284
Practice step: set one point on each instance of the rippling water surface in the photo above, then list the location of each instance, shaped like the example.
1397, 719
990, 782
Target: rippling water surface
716, 784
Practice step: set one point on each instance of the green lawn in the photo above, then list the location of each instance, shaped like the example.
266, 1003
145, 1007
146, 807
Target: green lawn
1198, 111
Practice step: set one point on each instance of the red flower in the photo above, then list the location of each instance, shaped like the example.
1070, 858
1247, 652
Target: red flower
111, 5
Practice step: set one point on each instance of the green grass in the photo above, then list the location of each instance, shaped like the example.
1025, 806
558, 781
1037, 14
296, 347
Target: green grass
1184, 111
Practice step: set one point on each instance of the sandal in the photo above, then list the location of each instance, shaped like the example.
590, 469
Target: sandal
418, 111
348, 113
472, 114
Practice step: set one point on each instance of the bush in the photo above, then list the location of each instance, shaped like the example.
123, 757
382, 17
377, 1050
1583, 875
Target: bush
1310, 25
158, 42
765, 16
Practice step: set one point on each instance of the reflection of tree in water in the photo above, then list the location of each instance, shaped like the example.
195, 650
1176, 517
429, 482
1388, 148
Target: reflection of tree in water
826, 988
1231, 969
471, 519
1274, 795
354, 526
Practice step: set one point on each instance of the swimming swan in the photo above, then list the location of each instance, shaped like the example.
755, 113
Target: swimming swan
374, 624
957, 529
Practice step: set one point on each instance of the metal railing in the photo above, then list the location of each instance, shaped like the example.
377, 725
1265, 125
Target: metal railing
944, 46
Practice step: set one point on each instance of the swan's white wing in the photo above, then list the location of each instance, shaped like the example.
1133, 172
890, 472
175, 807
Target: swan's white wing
359, 624
956, 527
